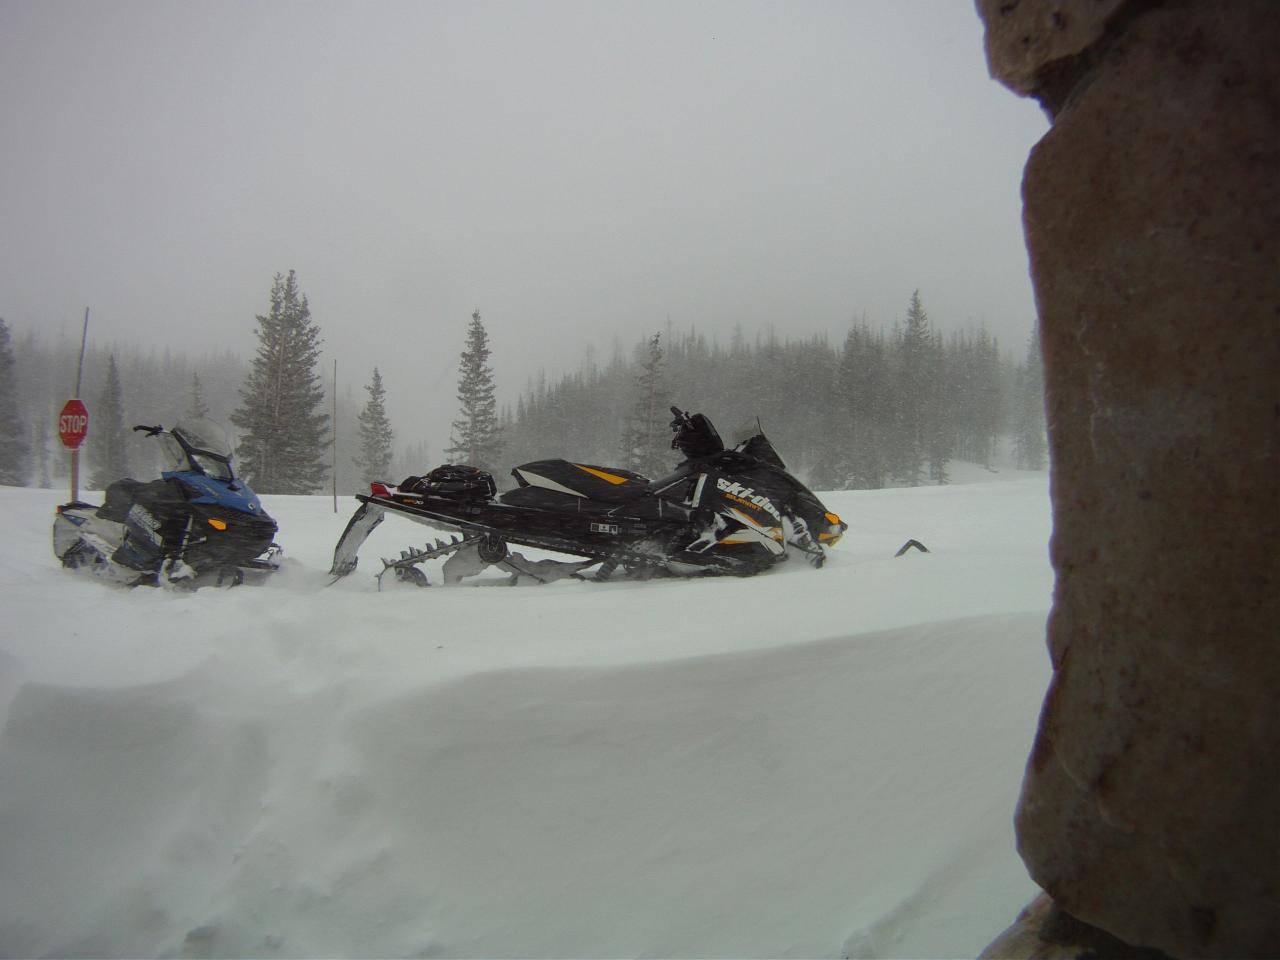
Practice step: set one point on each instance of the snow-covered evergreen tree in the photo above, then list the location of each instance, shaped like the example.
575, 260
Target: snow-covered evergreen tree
376, 435
108, 440
940, 416
910, 441
283, 427
40, 434
475, 439
197, 407
646, 442
14, 451
1028, 428
862, 388
413, 459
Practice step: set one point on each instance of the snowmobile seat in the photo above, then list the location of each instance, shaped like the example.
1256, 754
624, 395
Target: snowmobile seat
637, 508
120, 496
603, 484
542, 498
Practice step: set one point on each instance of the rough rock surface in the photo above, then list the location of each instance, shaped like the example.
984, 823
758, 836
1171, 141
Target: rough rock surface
1151, 802
1025, 39
1044, 932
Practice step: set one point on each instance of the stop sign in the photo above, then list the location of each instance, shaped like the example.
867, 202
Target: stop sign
73, 423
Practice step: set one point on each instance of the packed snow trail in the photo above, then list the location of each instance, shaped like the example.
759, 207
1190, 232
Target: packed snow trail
805, 763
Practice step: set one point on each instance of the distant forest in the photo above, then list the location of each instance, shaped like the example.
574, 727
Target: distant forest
157, 386
881, 408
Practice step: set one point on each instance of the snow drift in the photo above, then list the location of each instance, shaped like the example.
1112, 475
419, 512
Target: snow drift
805, 763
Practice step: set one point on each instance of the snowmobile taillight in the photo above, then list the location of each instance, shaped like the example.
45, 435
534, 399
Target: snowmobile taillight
379, 489
217, 524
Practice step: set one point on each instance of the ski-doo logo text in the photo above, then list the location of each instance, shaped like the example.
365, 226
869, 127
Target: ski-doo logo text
747, 496
145, 522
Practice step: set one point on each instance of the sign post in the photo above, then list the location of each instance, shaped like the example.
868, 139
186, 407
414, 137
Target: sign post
73, 427
73, 421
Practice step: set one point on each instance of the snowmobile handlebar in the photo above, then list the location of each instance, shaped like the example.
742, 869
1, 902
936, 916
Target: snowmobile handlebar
149, 431
695, 436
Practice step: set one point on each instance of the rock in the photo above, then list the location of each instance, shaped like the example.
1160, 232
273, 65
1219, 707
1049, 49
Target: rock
1044, 931
1151, 802
1026, 39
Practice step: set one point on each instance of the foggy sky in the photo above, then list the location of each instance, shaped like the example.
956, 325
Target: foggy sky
578, 172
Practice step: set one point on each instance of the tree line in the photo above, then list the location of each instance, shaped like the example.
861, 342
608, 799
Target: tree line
883, 408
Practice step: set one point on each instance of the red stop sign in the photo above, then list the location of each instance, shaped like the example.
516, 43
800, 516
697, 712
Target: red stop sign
73, 424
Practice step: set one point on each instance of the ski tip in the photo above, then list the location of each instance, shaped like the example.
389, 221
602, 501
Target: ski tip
909, 545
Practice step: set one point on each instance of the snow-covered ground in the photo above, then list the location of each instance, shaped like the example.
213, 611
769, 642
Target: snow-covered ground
806, 763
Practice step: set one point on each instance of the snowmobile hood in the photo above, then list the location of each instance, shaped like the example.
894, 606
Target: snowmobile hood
233, 495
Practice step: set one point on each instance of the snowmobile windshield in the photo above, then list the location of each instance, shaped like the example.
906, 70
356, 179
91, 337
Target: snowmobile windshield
218, 467
745, 431
201, 445
759, 447
695, 435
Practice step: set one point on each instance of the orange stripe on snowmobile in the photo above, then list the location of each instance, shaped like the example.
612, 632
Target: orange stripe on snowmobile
611, 477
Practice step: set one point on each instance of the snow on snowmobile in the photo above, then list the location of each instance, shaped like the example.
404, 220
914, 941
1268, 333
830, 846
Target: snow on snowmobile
723, 511
198, 524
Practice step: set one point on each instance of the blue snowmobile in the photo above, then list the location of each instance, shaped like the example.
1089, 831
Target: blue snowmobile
198, 524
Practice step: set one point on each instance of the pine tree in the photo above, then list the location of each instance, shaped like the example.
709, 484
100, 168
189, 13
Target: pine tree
1028, 437
40, 432
376, 435
939, 419
197, 408
108, 436
14, 465
862, 390
414, 459
913, 390
475, 439
646, 446
284, 428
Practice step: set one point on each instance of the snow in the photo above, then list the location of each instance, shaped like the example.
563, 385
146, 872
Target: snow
804, 763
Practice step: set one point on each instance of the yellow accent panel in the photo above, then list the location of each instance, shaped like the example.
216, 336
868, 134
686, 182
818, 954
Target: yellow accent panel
774, 532
611, 477
832, 518
218, 524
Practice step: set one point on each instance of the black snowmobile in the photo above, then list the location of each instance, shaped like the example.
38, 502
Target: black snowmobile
727, 511
196, 525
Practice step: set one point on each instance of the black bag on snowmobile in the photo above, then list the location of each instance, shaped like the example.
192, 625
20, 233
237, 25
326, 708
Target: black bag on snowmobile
455, 481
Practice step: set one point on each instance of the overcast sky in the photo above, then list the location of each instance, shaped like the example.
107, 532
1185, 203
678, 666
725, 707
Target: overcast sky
578, 172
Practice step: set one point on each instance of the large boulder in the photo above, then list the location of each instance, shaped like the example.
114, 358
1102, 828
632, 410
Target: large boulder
1029, 42
1151, 802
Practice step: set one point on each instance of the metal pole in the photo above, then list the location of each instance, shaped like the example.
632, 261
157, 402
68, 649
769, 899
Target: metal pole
84, 336
75, 454
335, 434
